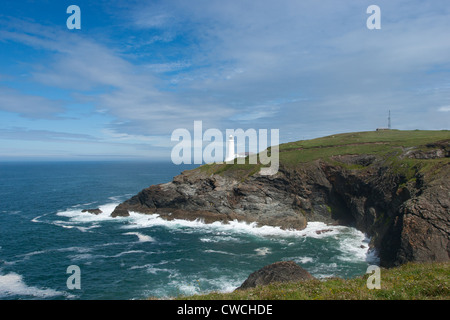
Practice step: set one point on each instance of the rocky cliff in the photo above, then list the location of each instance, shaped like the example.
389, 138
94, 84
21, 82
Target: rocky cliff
394, 186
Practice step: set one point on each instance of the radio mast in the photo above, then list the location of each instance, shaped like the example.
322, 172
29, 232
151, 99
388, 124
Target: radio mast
389, 120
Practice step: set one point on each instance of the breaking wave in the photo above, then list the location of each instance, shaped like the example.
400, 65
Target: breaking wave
12, 284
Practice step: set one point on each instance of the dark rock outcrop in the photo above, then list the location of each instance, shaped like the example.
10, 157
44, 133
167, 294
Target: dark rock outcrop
404, 209
93, 211
283, 271
196, 195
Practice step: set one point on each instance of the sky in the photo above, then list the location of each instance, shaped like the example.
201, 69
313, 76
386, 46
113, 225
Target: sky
136, 71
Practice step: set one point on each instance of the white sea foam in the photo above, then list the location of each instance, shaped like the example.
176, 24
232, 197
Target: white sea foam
74, 249
26, 256
81, 256
372, 257
354, 246
76, 215
215, 239
262, 251
89, 256
12, 284
117, 198
303, 260
128, 252
14, 212
141, 237
218, 251
138, 220
186, 288
228, 283
155, 268
197, 283
71, 225
82, 221
36, 219
352, 243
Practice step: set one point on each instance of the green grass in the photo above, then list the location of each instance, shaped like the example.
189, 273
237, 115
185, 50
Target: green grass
412, 281
381, 143
405, 138
387, 144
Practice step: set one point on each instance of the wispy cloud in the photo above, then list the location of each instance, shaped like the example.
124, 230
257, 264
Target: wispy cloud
27, 105
19, 133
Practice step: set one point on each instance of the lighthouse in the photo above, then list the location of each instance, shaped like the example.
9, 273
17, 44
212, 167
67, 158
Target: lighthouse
230, 149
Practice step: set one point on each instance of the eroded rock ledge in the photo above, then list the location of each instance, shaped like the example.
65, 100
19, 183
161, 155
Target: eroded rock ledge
405, 214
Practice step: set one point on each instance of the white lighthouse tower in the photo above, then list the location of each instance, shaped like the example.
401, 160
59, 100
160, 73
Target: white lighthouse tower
230, 149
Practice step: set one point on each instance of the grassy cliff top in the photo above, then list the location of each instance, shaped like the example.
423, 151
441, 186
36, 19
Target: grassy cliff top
370, 142
385, 143
412, 281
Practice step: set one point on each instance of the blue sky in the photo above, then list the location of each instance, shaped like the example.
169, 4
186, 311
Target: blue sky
137, 70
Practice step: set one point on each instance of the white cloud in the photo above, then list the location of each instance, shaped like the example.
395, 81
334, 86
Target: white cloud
444, 109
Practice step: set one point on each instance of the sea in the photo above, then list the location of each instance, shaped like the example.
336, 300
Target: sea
50, 249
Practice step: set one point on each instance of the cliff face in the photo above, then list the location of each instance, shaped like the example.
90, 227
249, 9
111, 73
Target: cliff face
401, 200
194, 194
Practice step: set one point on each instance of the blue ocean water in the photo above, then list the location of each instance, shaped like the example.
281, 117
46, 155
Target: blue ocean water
43, 231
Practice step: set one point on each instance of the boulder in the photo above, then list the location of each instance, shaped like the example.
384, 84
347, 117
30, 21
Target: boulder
282, 271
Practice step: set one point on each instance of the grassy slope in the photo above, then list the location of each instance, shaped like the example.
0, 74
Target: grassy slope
430, 281
370, 142
387, 144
